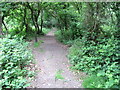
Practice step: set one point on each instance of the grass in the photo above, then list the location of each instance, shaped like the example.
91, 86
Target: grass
41, 50
37, 44
58, 75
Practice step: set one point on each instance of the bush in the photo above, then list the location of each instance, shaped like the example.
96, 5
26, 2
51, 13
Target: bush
14, 56
45, 30
93, 81
64, 36
47, 24
101, 59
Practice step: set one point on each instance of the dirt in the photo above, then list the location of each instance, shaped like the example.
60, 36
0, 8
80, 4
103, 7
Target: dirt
51, 57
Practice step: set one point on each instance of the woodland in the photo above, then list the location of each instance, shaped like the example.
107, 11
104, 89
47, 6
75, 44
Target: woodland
91, 30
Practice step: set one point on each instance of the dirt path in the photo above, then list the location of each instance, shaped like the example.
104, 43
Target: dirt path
51, 58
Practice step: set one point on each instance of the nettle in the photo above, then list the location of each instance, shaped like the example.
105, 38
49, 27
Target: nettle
14, 56
101, 59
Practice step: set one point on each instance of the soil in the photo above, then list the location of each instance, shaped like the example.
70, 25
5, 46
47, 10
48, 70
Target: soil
51, 58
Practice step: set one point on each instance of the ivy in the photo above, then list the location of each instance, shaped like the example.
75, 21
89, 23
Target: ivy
101, 59
14, 56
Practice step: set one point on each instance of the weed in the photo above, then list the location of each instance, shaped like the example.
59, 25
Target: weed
14, 57
58, 75
37, 44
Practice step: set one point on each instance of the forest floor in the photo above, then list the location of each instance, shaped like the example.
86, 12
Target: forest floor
54, 66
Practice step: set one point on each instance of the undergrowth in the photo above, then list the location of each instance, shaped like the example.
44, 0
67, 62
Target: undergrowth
64, 37
37, 44
14, 56
46, 30
101, 60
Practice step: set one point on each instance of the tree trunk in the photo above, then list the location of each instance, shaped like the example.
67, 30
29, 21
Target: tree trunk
37, 27
4, 24
65, 17
32, 16
1, 25
65, 21
41, 20
25, 23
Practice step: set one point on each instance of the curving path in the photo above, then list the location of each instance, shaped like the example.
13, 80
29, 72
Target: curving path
51, 57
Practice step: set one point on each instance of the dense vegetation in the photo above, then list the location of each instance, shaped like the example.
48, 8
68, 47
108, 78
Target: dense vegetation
91, 29
14, 56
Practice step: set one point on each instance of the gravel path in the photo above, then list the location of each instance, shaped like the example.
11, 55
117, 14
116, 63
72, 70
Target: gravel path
51, 58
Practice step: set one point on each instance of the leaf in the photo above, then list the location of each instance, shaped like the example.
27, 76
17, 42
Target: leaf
101, 73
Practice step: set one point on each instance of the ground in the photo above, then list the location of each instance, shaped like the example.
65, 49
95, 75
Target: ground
54, 66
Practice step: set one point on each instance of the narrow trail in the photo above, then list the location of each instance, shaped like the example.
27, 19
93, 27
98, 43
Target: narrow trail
51, 57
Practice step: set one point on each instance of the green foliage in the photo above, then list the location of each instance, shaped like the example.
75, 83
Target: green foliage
58, 75
58, 35
31, 74
101, 59
94, 31
47, 24
37, 44
14, 56
91, 28
46, 30
64, 36
94, 82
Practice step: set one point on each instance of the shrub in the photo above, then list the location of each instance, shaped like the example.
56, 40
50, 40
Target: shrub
64, 36
101, 59
14, 56
93, 81
45, 30
59, 36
